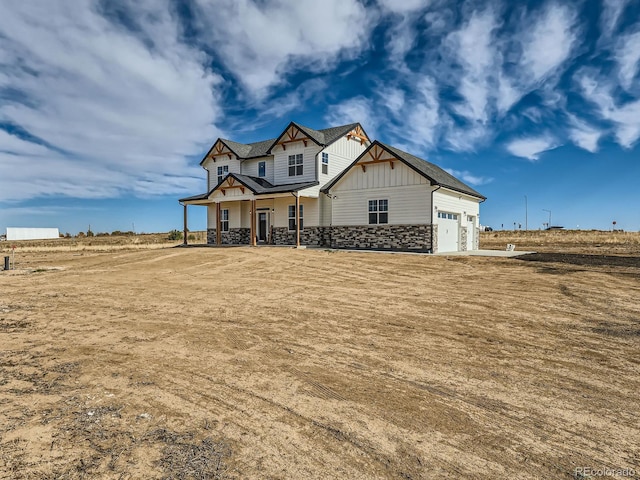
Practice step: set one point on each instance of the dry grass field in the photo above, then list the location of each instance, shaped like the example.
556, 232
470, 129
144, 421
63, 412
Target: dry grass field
147, 361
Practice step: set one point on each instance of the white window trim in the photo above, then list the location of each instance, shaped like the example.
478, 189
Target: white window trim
323, 163
222, 222
377, 211
296, 157
225, 172
289, 218
265, 169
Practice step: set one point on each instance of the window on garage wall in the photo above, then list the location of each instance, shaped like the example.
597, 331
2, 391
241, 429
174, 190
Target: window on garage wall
378, 211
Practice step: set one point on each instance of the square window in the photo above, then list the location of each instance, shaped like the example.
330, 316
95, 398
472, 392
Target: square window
378, 212
295, 165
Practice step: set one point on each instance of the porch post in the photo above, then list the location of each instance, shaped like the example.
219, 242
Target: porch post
218, 224
297, 220
253, 224
184, 241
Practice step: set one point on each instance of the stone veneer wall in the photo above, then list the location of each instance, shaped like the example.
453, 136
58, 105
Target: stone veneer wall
383, 237
308, 236
235, 236
211, 236
379, 237
463, 239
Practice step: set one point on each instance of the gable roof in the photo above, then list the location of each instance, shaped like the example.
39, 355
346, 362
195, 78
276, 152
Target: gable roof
322, 137
262, 148
433, 173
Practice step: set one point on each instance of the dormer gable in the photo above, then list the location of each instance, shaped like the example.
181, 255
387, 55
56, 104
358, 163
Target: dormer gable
219, 149
296, 133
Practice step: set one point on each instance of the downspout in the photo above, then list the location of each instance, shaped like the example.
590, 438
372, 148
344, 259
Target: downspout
432, 192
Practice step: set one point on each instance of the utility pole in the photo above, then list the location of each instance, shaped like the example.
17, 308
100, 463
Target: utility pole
545, 210
526, 214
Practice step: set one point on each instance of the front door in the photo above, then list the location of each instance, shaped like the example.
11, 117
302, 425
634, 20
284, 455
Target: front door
262, 227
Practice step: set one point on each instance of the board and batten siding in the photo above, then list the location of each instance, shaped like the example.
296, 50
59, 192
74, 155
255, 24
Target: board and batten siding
408, 193
379, 175
250, 167
281, 162
446, 200
281, 211
342, 153
212, 168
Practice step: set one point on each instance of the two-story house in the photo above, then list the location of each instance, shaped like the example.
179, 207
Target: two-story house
260, 192
333, 187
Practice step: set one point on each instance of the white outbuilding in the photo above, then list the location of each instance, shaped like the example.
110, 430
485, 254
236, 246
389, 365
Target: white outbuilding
21, 233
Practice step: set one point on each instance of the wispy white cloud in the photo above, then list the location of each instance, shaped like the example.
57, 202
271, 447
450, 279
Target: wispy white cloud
584, 135
423, 116
550, 42
357, 109
403, 7
627, 55
547, 40
473, 47
469, 177
118, 108
611, 11
625, 117
531, 148
260, 42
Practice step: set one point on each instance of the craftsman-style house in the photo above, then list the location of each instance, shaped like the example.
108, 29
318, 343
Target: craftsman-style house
335, 188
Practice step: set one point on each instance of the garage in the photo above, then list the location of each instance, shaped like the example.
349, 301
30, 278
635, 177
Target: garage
448, 232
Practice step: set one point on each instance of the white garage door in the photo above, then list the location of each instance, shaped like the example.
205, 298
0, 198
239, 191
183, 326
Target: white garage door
471, 233
448, 232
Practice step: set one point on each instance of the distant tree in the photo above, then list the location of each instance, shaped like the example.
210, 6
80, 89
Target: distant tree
175, 235
89, 233
81, 235
67, 235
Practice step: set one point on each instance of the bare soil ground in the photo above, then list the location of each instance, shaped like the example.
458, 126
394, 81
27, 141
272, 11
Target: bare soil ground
281, 363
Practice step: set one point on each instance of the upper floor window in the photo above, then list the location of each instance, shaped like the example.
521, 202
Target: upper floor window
224, 220
295, 165
325, 163
262, 169
222, 172
378, 211
292, 217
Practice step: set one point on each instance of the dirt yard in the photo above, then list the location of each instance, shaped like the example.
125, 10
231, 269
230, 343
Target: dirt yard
302, 364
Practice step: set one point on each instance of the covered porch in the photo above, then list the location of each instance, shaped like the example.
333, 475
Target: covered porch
238, 213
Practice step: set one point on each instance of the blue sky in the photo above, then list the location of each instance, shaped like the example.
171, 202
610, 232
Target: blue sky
106, 108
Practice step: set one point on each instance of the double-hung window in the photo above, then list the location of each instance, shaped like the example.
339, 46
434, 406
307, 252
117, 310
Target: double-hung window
292, 217
295, 165
222, 172
325, 163
378, 211
262, 169
224, 220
